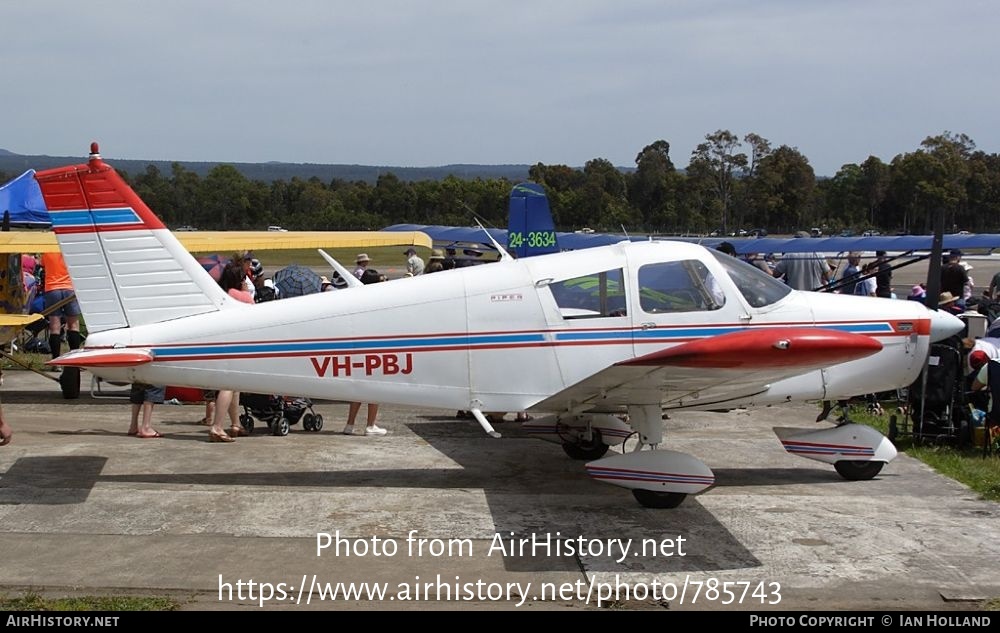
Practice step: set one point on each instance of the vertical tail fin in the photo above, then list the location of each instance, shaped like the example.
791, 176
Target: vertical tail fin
127, 267
530, 230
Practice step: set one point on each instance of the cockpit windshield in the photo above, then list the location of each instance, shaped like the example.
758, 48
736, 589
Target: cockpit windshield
756, 286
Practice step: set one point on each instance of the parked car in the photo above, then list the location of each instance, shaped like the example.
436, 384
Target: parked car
758, 233
186, 227
276, 228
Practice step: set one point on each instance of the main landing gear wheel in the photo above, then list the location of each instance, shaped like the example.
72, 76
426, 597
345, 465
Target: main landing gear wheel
653, 499
858, 471
584, 450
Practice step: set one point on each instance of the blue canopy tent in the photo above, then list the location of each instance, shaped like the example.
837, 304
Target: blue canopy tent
22, 197
575, 241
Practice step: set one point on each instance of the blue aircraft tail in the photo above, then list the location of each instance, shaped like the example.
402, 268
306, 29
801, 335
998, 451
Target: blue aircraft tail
530, 230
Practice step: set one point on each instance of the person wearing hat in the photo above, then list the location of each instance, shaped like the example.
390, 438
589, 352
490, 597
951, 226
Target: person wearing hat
954, 277
917, 293
362, 262
325, 284
414, 265
435, 263
949, 303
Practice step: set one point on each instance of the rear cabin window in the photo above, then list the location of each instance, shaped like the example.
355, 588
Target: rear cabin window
682, 286
591, 296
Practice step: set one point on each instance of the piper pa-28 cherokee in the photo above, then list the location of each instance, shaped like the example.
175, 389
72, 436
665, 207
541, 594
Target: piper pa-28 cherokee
584, 337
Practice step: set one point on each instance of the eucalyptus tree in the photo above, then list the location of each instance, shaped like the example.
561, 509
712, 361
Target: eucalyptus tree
652, 189
717, 162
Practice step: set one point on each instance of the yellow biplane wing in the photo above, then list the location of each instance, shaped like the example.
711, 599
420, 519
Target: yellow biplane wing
223, 241
17, 320
232, 241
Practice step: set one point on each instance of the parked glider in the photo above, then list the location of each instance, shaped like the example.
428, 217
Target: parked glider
583, 337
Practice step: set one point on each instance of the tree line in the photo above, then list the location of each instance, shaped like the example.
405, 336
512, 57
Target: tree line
729, 183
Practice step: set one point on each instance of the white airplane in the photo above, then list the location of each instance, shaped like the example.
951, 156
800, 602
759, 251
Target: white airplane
583, 337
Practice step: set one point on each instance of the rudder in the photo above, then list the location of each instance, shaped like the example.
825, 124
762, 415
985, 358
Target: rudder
127, 268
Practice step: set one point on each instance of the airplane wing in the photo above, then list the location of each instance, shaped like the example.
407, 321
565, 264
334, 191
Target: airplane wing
205, 241
715, 369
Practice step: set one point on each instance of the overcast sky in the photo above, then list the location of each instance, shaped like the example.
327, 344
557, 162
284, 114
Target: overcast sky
411, 83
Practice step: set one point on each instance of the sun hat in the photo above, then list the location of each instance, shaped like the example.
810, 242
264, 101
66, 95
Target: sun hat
362, 257
436, 254
945, 298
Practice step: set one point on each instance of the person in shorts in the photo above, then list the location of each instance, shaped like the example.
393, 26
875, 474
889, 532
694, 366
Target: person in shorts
59, 289
143, 397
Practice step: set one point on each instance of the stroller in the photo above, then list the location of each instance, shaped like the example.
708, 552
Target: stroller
278, 412
937, 403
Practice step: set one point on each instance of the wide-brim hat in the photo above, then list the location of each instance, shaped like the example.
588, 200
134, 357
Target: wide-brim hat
946, 298
436, 254
362, 257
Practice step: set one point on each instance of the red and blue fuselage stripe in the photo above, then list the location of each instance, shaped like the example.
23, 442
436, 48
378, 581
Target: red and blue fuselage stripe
460, 342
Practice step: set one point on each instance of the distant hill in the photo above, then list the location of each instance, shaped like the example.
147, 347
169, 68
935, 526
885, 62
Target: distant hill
15, 164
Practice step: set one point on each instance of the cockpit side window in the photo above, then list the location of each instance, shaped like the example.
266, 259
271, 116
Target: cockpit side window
682, 286
591, 296
756, 286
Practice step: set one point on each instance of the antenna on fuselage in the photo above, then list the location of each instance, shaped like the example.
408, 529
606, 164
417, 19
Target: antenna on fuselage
346, 275
504, 255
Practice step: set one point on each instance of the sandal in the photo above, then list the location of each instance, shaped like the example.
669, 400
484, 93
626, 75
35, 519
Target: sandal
146, 437
204, 422
237, 431
219, 437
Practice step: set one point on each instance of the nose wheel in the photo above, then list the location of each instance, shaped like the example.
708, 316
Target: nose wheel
653, 499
